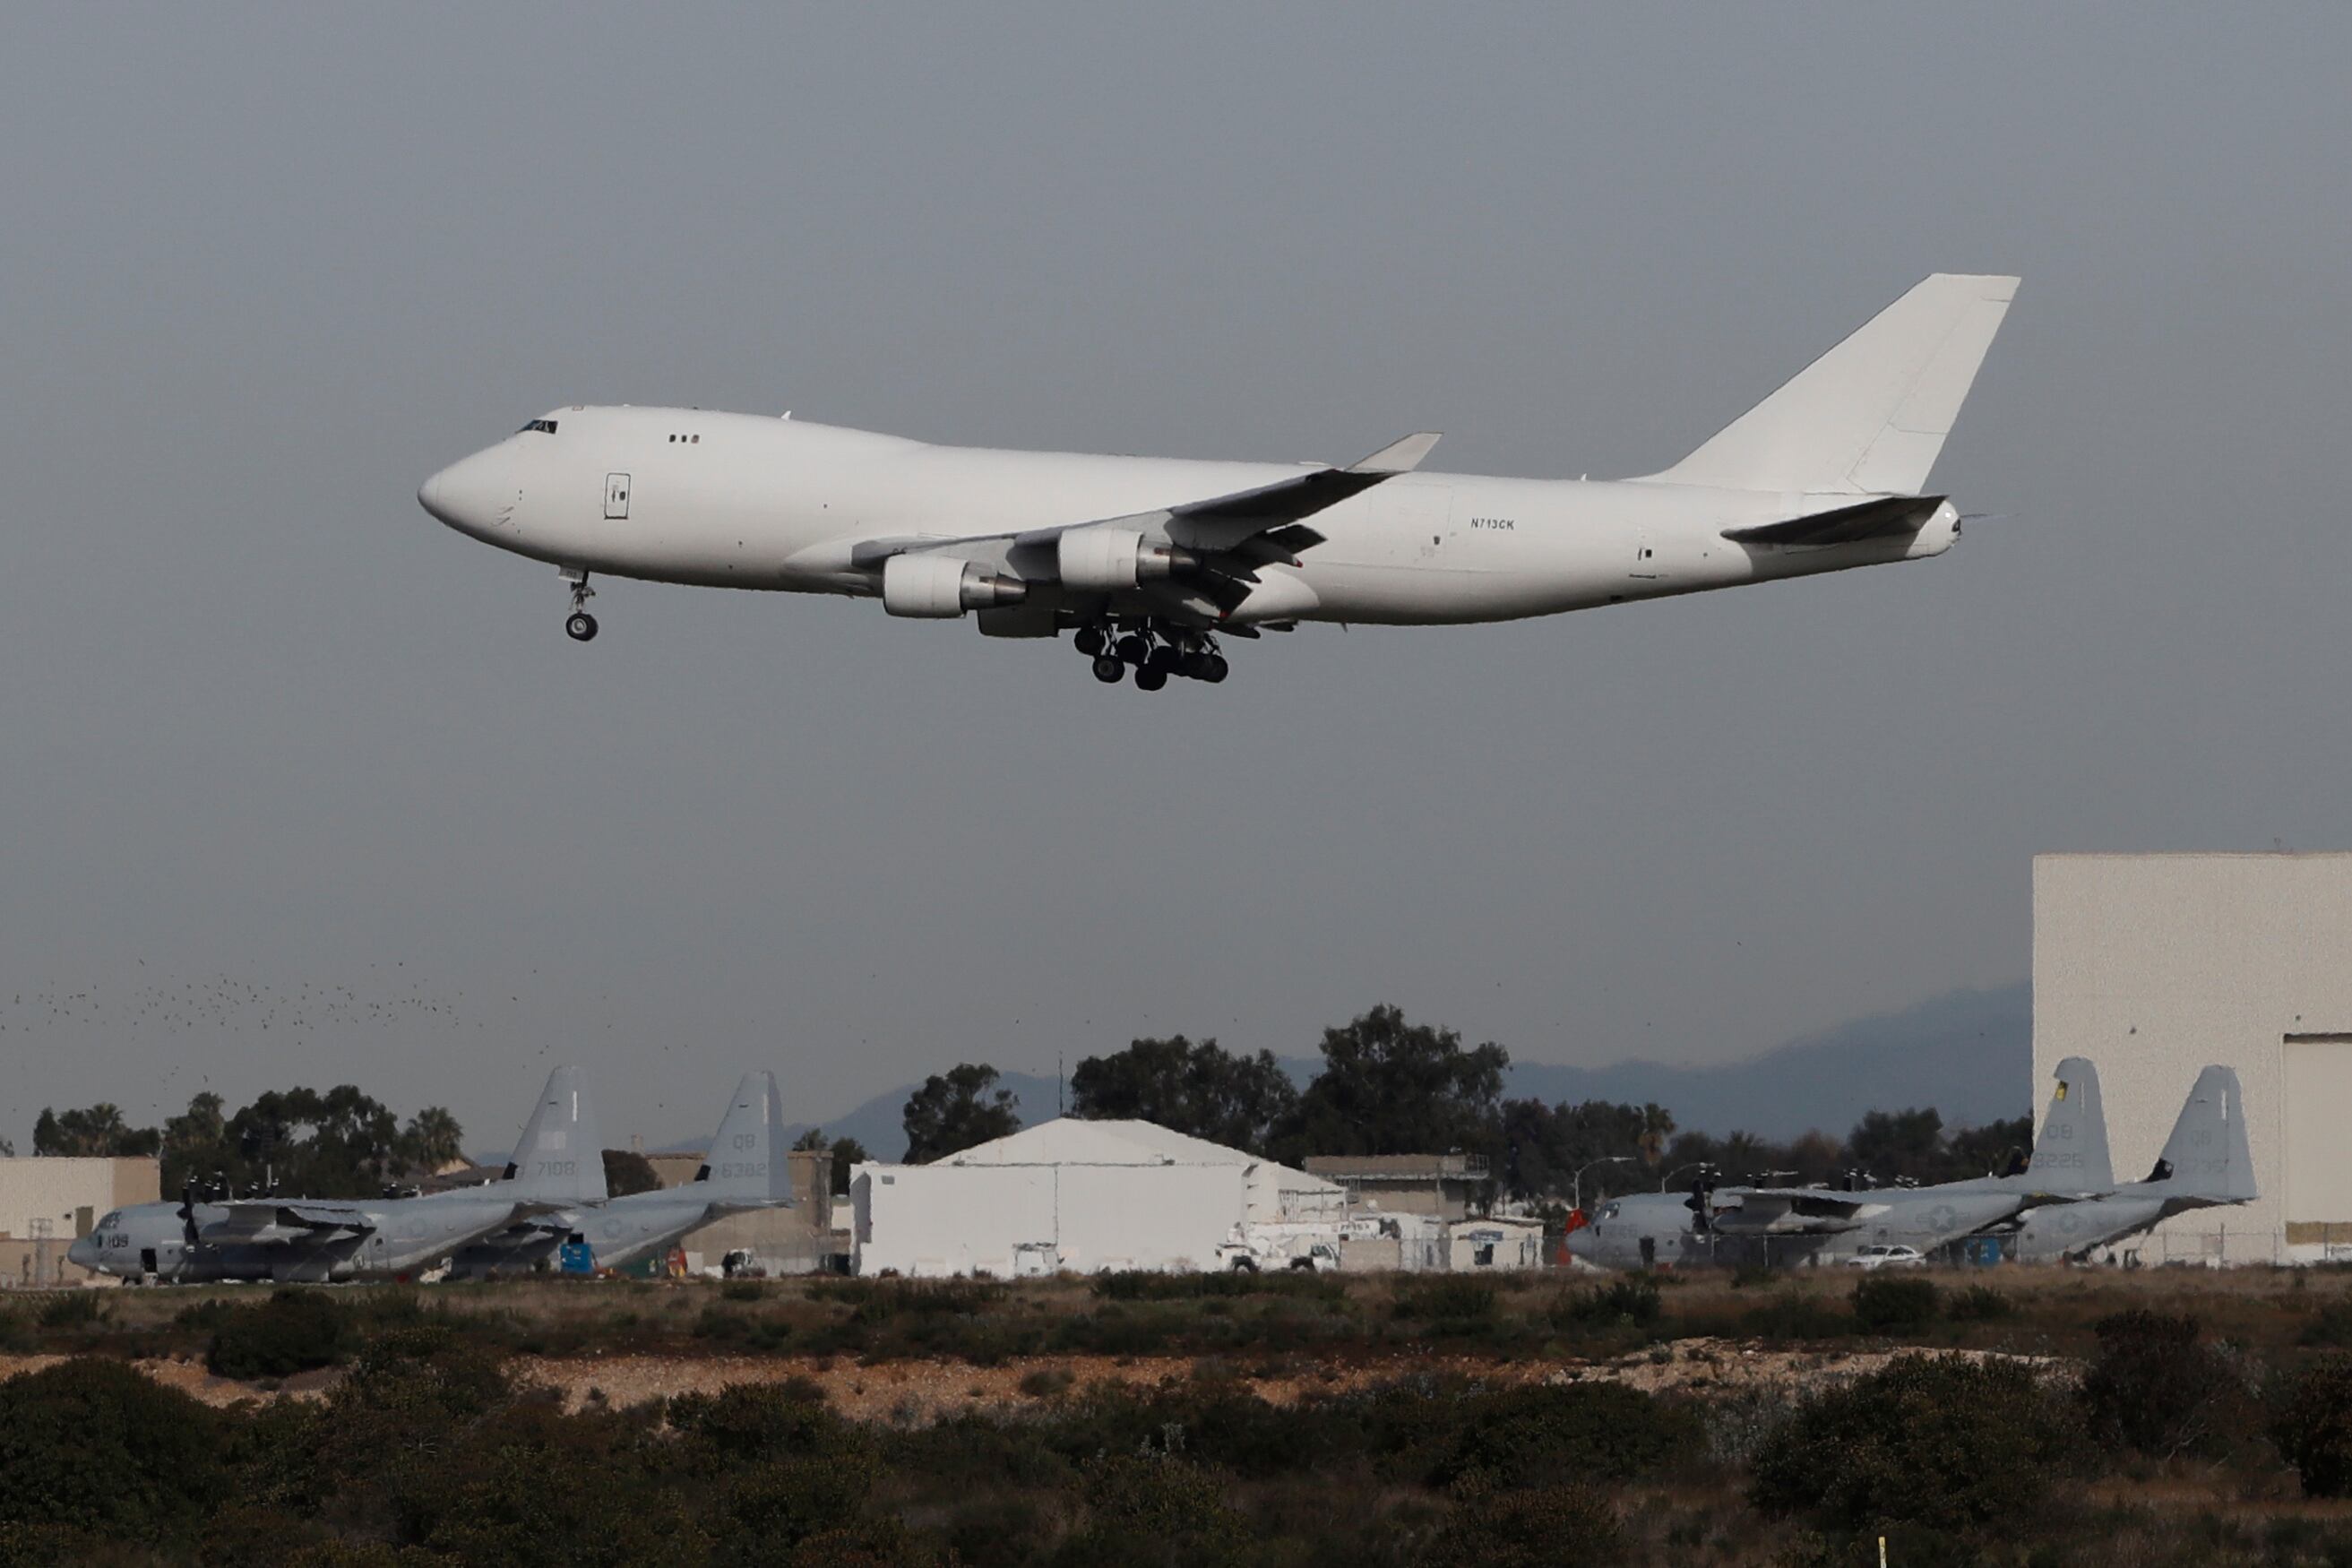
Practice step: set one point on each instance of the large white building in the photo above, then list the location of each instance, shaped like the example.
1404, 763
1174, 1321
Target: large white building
2154, 965
1077, 1195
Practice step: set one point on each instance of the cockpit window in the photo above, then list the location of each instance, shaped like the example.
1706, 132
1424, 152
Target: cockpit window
546, 425
112, 1220
1609, 1211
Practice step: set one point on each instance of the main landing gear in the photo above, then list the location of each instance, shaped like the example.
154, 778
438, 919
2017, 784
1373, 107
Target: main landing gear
580, 625
1154, 650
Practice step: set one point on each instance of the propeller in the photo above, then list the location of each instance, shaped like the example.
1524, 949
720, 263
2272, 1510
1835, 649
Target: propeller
188, 1211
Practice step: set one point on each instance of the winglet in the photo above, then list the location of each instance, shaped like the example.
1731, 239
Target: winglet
1397, 457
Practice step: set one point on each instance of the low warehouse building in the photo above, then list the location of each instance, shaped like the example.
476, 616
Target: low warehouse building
1080, 1195
2155, 965
47, 1203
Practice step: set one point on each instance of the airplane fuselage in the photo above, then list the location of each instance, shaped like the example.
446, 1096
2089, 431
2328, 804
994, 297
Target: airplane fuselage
780, 504
384, 1240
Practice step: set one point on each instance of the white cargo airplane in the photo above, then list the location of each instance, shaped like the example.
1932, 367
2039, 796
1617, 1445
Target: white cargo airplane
1151, 560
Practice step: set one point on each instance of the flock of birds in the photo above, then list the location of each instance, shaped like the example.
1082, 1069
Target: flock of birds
388, 997
225, 1003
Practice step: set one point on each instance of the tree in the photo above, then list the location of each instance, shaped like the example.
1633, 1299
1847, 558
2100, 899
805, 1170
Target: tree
1200, 1089
96, 1133
847, 1153
1897, 1144
954, 1111
1993, 1149
432, 1138
1389, 1087
626, 1172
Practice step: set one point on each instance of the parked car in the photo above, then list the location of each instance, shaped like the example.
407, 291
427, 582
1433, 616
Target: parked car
1888, 1255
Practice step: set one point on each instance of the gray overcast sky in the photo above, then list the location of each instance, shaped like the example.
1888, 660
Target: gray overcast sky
266, 730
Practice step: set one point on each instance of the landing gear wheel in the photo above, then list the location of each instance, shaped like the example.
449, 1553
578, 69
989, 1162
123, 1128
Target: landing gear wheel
1090, 640
1132, 649
1108, 671
1212, 668
1150, 677
581, 626
1164, 659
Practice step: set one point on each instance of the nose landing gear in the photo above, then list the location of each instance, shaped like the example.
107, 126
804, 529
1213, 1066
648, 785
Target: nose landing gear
580, 625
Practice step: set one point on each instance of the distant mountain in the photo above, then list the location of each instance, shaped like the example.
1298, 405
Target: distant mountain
1969, 1054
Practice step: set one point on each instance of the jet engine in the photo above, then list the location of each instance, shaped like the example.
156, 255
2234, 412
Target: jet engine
1114, 560
941, 587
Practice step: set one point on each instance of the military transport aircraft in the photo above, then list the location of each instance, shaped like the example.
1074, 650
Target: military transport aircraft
2206, 1163
746, 1169
1150, 562
1732, 1225
558, 1164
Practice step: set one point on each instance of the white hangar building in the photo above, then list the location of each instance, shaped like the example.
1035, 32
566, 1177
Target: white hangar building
2154, 965
1077, 1195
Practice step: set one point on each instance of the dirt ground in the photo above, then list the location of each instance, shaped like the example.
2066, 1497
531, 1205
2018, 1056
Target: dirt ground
916, 1392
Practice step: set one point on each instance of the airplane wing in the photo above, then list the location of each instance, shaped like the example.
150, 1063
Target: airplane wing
1213, 546
1885, 516
1793, 1211
258, 1219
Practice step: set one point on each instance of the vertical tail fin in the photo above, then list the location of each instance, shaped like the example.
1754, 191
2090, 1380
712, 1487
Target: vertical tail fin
562, 1155
746, 1163
1869, 416
2070, 1153
2207, 1156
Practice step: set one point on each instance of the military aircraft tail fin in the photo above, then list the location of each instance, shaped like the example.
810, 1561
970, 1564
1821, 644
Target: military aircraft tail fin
1869, 416
2070, 1153
747, 1161
2207, 1156
562, 1155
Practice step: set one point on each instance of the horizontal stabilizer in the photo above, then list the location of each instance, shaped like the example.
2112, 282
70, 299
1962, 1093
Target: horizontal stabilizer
1884, 518
1870, 416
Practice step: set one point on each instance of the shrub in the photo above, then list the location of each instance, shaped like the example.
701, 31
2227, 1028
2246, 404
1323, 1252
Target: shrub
2153, 1387
749, 1422
1632, 1299
294, 1331
1793, 1315
2331, 1325
1557, 1527
1940, 1441
741, 1290
2313, 1427
69, 1309
1148, 1285
1447, 1300
1536, 1434
1046, 1381
1141, 1505
92, 1444
1978, 1304
1884, 1302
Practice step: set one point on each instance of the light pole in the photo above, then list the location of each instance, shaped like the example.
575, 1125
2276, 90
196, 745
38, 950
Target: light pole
1576, 1187
1666, 1180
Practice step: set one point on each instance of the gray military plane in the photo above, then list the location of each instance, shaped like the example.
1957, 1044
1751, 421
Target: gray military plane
2206, 1163
746, 1169
1823, 1224
559, 1166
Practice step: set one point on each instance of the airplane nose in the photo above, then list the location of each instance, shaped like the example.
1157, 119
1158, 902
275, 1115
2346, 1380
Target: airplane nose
83, 1253
473, 495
